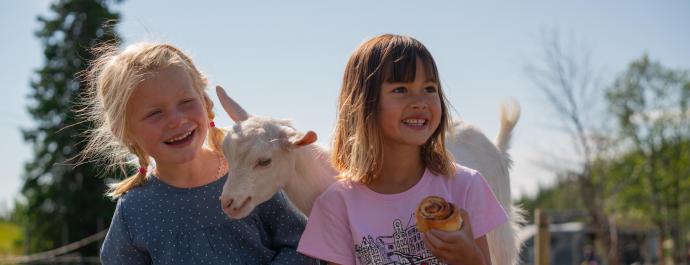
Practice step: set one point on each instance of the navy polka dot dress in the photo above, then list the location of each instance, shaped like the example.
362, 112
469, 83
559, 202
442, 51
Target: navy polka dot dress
160, 224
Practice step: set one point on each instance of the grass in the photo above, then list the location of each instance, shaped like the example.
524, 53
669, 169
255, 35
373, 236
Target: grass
10, 236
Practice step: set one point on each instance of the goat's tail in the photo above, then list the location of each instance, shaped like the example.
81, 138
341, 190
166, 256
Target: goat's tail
503, 241
509, 117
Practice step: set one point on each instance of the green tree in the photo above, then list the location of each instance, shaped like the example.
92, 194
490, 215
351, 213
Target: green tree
650, 103
63, 202
562, 200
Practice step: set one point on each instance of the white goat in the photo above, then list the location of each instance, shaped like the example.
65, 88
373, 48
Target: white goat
266, 155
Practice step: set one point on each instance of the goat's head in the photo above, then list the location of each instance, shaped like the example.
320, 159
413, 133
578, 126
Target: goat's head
259, 155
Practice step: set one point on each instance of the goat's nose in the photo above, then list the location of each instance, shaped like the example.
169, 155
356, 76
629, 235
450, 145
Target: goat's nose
237, 208
238, 205
246, 201
226, 202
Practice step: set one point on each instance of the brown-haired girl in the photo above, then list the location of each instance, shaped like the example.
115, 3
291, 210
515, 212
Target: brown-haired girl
389, 147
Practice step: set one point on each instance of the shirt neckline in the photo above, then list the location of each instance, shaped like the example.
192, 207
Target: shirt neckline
158, 181
420, 185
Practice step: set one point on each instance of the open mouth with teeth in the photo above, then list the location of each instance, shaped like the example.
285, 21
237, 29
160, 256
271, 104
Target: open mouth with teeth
181, 139
415, 123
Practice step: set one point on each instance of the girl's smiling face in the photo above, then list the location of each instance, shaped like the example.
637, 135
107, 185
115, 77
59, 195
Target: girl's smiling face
409, 113
166, 117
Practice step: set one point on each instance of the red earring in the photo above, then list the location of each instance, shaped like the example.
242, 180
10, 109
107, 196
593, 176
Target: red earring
142, 170
212, 124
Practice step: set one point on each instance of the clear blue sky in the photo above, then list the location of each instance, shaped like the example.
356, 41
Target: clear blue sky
268, 53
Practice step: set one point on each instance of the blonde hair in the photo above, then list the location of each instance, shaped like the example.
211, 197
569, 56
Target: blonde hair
357, 148
112, 78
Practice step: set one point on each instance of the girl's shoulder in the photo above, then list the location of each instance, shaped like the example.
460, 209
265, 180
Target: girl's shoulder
461, 182
339, 190
141, 191
151, 194
465, 172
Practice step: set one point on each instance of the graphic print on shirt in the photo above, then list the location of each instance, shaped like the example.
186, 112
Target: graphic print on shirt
404, 246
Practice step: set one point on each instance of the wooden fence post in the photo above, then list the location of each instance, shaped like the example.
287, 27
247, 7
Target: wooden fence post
542, 241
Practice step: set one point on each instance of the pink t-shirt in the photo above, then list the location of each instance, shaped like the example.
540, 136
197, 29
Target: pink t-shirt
351, 224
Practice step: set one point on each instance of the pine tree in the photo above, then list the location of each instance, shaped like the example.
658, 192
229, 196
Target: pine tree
62, 202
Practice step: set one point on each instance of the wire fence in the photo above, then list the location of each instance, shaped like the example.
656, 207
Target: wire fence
60, 254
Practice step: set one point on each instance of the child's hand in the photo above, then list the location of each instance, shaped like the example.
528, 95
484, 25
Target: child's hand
457, 247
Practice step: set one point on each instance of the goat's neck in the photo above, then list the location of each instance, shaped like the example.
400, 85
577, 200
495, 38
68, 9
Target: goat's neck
311, 175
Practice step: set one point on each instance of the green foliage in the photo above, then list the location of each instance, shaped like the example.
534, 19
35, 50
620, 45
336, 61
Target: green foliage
562, 197
650, 103
10, 239
63, 202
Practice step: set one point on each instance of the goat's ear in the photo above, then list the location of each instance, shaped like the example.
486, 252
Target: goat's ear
302, 139
233, 109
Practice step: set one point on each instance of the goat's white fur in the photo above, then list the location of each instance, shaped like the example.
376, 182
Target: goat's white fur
473, 149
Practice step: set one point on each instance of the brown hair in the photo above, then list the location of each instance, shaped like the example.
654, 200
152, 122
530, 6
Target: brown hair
112, 78
357, 149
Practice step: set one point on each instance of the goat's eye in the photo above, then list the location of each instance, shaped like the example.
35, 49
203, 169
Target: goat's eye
264, 162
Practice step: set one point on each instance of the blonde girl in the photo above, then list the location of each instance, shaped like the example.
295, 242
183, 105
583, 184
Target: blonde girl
148, 102
389, 147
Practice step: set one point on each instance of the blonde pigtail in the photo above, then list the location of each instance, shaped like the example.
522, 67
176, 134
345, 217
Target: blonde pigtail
139, 178
216, 134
